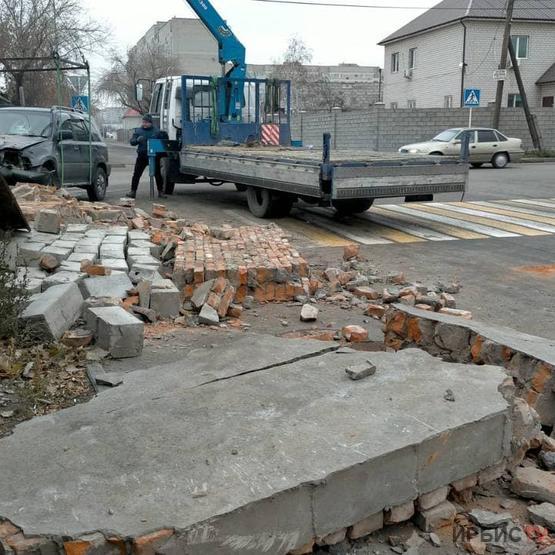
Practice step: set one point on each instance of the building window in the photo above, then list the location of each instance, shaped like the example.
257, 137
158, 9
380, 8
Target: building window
393, 105
411, 104
412, 58
515, 101
547, 102
448, 101
395, 62
520, 45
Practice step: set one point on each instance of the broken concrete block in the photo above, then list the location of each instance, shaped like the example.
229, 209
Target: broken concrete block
54, 311
437, 517
533, 483
360, 371
117, 331
107, 286
29, 254
309, 313
366, 526
48, 221
489, 519
200, 295
166, 301
543, 514
208, 316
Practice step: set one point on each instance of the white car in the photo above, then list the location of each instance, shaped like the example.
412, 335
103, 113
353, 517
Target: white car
486, 146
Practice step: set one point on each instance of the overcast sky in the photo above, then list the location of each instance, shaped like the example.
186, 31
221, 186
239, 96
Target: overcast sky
335, 35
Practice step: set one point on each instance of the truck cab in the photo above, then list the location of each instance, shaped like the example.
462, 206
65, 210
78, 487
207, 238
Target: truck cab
165, 106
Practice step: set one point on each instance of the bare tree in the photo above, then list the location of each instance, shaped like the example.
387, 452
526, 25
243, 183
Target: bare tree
149, 62
35, 29
311, 89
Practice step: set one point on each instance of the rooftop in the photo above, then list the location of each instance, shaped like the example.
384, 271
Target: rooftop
450, 11
547, 77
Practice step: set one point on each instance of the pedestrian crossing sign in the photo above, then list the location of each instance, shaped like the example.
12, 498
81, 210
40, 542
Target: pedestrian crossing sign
80, 102
472, 98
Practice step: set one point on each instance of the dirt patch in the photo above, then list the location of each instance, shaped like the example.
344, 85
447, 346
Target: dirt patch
544, 270
39, 380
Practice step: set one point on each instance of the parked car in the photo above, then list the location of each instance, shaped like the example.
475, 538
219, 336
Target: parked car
486, 146
53, 146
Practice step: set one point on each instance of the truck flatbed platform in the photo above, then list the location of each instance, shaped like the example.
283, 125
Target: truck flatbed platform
349, 174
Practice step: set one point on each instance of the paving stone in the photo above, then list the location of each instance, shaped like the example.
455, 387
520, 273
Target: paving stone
533, 483
465, 483
150, 274
29, 254
437, 517
116, 331
96, 232
62, 277
153, 248
107, 286
73, 237
138, 251
48, 221
366, 526
543, 514
117, 230
76, 228
59, 253
166, 301
115, 264
54, 311
143, 259
137, 235
112, 251
79, 256
433, 498
114, 240
86, 249
360, 371
489, 519
64, 244
208, 315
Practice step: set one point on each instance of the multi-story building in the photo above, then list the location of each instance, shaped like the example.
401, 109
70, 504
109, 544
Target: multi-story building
457, 45
188, 41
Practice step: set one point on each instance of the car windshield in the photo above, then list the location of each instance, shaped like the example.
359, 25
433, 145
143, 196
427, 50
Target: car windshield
26, 123
446, 136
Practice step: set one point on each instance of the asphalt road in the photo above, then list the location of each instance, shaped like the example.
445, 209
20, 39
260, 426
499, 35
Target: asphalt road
503, 252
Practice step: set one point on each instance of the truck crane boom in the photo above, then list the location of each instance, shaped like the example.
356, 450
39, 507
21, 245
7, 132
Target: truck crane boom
230, 48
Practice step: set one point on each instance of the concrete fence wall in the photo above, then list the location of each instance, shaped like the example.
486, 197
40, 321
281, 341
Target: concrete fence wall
383, 129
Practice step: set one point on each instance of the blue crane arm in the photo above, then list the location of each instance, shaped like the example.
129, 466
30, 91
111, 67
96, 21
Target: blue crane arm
230, 48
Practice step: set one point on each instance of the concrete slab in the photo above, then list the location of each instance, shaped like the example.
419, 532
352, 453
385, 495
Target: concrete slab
282, 454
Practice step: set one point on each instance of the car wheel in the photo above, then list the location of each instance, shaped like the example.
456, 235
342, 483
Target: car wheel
97, 189
477, 164
436, 154
500, 160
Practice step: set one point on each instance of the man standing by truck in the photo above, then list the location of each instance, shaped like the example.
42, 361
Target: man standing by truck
140, 139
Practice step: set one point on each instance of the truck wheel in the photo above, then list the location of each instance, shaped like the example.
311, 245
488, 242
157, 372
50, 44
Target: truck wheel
97, 189
263, 203
352, 206
169, 185
240, 187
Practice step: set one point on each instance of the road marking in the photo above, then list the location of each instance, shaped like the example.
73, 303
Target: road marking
535, 202
380, 216
451, 231
437, 215
522, 209
508, 211
503, 222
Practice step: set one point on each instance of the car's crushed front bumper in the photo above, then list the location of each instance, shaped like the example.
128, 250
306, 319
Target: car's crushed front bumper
11, 173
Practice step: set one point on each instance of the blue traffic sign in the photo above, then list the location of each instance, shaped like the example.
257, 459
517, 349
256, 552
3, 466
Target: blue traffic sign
471, 98
80, 102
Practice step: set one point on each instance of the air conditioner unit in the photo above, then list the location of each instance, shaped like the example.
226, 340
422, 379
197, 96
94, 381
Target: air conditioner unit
407, 74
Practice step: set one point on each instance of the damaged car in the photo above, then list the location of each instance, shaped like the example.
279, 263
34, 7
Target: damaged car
53, 146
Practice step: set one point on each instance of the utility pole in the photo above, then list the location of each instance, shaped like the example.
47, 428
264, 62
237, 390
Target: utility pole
503, 62
534, 133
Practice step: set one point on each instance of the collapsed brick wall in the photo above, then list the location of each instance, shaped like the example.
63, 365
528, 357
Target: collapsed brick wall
532, 374
257, 261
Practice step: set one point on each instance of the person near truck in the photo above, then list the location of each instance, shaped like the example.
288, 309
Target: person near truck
140, 138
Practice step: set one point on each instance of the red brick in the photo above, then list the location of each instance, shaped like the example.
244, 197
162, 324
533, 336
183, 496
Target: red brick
97, 270
240, 294
147, 545
213, 300
397, 324
355, 334
375, 310
226, 300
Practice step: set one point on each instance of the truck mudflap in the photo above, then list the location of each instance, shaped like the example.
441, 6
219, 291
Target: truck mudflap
11, 216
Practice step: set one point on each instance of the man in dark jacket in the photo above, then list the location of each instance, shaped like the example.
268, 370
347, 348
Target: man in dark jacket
140, 139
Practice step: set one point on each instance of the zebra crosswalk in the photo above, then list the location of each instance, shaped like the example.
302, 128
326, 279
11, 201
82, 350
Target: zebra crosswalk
431, 221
